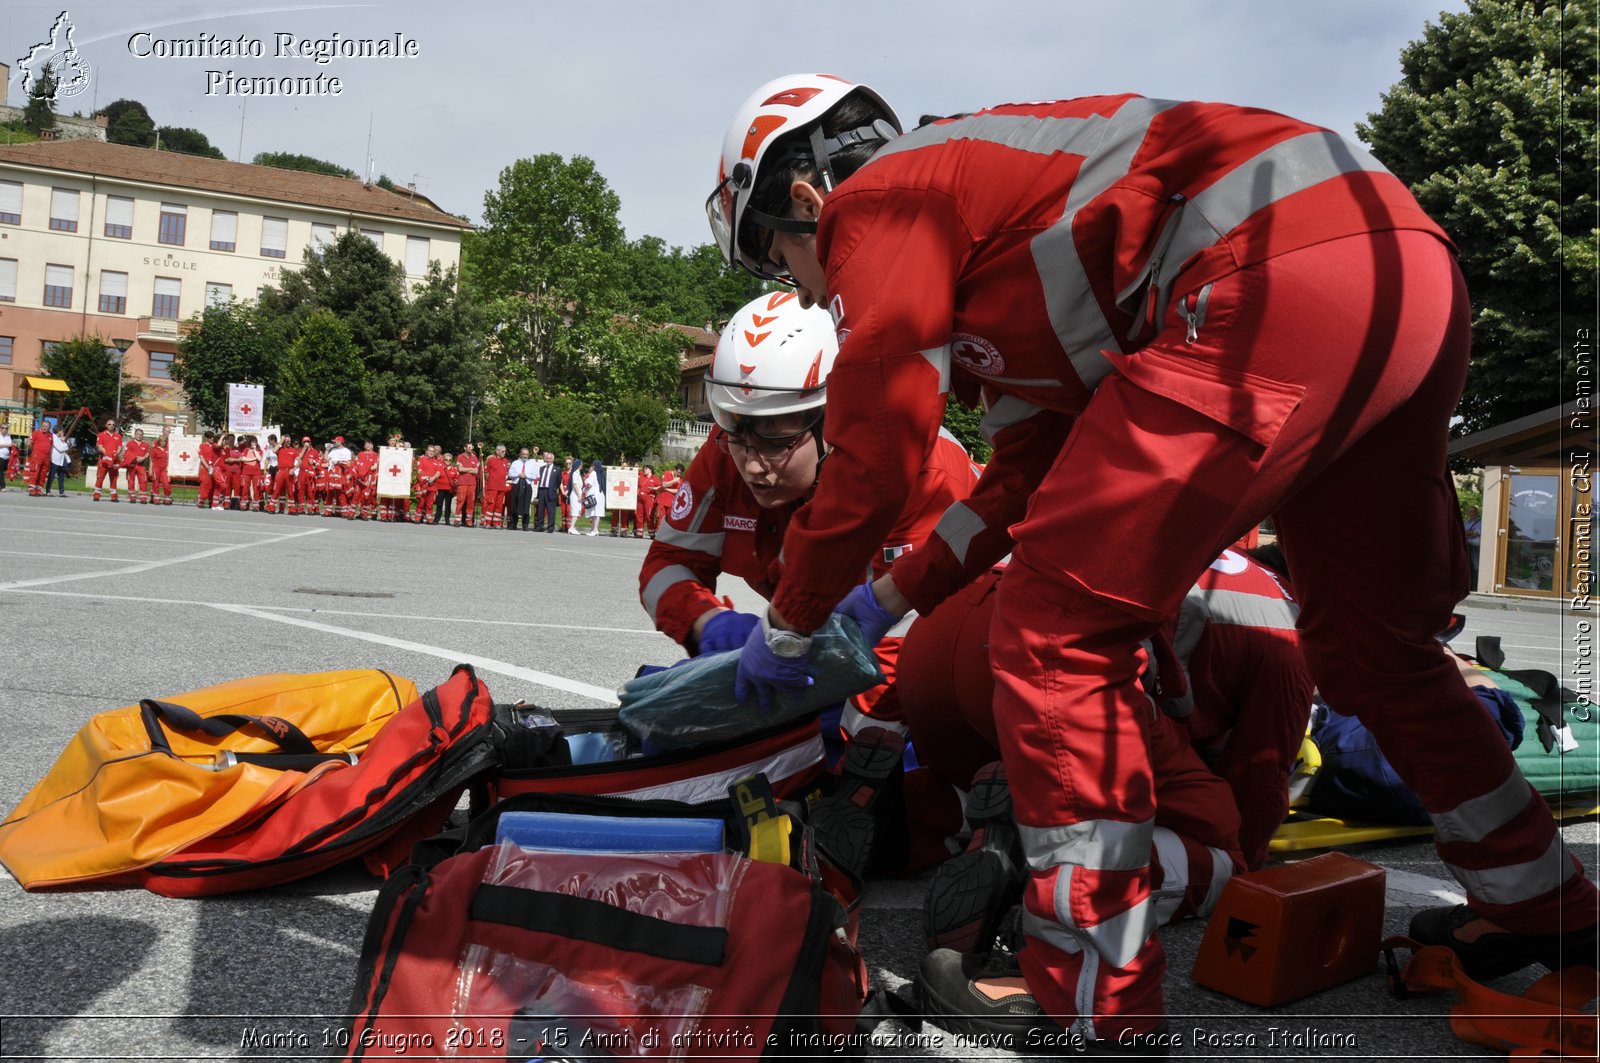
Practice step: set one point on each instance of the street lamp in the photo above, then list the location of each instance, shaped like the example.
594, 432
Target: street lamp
472, 406
121, 357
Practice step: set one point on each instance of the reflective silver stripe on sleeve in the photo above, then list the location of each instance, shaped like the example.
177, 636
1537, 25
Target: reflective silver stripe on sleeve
1022, 132
1476, 818
667, 577
1005, 413
1243, 609
1080, 327
1096, 844
939, 358
700, 515
707, 543
958, 527
946, 434
1518, 883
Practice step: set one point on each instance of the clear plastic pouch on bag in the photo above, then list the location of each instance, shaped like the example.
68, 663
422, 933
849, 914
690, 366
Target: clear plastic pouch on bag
538, 1012
689, 889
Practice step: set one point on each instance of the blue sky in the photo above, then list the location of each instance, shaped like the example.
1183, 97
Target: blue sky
646, 89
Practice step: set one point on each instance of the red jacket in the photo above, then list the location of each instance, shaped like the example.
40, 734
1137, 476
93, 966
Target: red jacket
108, 443
495, 469
365, 466
133, 452
208, 457
467, 470
957, 254
716, 526
286, 458
649, 484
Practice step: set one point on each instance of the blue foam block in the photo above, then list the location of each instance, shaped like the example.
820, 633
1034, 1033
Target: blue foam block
565, 832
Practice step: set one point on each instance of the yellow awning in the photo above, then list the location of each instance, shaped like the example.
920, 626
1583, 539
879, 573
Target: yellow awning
46, 383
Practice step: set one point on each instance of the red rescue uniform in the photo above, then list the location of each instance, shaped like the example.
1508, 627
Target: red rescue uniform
109, 444
364, 483
466, 488
645, 509
160, 478
1184, 317
495, 468
210, 485
39, 460
132, 464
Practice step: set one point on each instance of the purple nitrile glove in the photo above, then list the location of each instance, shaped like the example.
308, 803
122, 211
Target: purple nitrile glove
726, 631
765, 674
861, 605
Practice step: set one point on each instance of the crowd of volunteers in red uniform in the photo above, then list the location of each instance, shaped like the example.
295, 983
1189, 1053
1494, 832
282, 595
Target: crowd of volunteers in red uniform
240, 472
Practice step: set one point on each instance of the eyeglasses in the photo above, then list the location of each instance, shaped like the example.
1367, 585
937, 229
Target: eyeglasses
769, 451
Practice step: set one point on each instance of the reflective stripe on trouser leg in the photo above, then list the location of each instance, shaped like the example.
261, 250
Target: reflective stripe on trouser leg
1186, 877
1073, 729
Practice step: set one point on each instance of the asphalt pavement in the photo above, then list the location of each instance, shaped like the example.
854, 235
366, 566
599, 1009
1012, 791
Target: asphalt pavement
106, 604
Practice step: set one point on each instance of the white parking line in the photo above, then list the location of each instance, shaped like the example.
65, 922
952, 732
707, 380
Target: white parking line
1406, 887
69, 557
146, 566
141, 518
482, 664
107, 535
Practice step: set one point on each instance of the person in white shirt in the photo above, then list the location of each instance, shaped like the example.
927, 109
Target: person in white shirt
6, 447
521, 476
60, 459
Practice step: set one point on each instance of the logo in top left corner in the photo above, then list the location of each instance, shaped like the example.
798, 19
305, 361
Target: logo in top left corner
54, 69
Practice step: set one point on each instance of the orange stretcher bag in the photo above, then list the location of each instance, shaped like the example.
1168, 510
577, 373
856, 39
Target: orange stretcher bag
208, 770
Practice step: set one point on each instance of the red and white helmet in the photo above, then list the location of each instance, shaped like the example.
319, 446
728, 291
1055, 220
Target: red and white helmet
781, 106
773, 358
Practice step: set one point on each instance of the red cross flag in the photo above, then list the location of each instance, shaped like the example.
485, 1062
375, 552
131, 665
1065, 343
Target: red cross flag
622, 487
394, 472
245, 402
183, 457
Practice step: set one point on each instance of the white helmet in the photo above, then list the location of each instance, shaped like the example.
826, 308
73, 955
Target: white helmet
780, 107
773, 358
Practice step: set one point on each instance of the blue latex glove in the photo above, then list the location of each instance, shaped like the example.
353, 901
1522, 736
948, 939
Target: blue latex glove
726, 631
861, 605
765, 674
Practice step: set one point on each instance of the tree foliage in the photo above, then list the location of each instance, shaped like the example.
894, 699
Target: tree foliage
238, 343
965, 423
186, 141
522, 413
287, 160
39, 113
128, 122
1493, 128
91, 368
438, 369
322, 383
633, 427
693, 287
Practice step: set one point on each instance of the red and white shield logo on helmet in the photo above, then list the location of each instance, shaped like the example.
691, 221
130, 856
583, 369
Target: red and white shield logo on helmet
976, 354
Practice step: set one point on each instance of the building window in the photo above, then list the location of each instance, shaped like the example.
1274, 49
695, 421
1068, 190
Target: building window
218, 294
416, 255
166, 302
161, 365
274, 237
113, 292
8, 280
119, 217
224, 230
58, 286
49, 347
375, 235
10, 202
64, 210
5, 349
174, 223
321, 236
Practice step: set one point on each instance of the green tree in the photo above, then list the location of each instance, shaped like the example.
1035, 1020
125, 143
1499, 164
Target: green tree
40, 114
322, 383
633, 426
91, 368
965, 423
285, 160
691, 288
439, 366
186, 141
234, 344
520, 412
548, 263
128, 122
1493, 128
637, 357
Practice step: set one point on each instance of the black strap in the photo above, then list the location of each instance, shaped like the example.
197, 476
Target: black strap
1488, 652
600, 923
883, 1005
285, 735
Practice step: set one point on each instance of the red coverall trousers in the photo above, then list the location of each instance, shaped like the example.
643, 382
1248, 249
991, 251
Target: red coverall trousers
160, 481
103, 466
1318, 389
466, 496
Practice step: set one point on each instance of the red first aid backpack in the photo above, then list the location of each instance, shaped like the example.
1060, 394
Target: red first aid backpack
463, 957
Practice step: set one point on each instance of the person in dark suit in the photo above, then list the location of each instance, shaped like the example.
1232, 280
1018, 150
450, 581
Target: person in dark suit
547, 494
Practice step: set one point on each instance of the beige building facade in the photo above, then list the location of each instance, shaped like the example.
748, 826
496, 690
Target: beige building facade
127, 243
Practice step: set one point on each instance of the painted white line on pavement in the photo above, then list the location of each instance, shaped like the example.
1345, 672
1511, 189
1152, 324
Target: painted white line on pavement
587, 553
69, 557
146, 566
140, 518
107, 535
482, 664
1407, 887
342, 612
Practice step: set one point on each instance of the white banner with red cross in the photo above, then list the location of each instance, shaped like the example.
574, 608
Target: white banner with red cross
622, 487
394, 472
245, 402
183, 457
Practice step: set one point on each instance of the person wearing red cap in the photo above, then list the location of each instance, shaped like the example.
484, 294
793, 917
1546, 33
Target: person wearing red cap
363, 490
